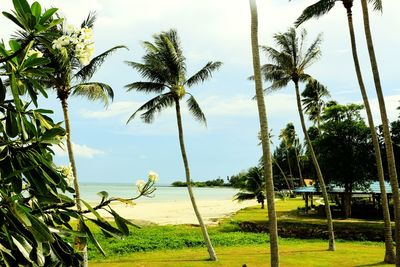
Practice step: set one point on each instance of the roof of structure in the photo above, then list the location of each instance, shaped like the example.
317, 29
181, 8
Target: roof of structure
373, 188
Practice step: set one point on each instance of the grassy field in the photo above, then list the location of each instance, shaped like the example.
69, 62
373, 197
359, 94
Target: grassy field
293, 253
182, 245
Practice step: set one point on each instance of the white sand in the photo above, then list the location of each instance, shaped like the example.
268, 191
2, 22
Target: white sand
179, 212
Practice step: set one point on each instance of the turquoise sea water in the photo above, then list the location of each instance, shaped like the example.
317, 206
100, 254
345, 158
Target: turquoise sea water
162, 194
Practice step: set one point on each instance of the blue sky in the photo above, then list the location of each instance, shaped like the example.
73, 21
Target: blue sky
108, 150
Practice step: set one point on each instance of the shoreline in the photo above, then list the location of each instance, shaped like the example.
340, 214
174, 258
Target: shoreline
178, 212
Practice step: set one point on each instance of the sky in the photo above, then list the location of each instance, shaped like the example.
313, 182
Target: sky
109, 151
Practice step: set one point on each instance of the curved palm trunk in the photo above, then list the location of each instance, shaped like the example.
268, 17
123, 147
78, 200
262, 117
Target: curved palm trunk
210, 248
389, 252
80, 242
283, 174
319, 173
269, 183
386, 132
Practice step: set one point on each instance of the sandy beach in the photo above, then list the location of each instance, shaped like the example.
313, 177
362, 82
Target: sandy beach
179, 212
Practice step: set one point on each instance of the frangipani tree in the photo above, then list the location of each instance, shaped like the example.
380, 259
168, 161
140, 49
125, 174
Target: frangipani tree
164, 68
35, 210
70, 52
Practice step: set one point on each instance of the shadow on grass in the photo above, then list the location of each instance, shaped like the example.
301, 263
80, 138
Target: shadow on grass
371, 264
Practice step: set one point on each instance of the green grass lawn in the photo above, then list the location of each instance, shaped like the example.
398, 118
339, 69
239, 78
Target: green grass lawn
293, 253
182, 245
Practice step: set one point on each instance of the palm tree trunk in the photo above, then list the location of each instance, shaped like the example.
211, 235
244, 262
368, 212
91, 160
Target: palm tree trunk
269, 183
207, 240
319, 173
80, 242
386, 132
389, 251
283, 174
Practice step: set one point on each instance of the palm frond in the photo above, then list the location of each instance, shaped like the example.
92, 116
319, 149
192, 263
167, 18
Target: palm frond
146, 87
149, 105
312, 54
90, 20
94, 91
315, 11
167, 100
204, 73
196, 111
377, 5
149, 72
87, 72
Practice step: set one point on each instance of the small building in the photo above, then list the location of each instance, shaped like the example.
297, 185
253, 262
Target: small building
373, 191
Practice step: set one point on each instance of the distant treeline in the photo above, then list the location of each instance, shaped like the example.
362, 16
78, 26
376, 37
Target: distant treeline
209, 183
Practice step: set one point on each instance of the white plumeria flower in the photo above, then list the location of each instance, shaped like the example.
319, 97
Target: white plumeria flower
153, 176
67, 173
57, 44
70, 29
140, 184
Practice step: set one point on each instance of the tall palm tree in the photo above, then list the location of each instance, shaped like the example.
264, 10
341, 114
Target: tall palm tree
313, 101
253, 187
72, 77
314, 11
385, 122
265, 143
288, 136
289, 64
164, 68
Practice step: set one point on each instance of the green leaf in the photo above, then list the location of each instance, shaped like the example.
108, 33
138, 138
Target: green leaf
23, 246
36, 10
91, 237
104, 225
120, 219
12, 18
22, 215
103, 194
22, 7
95, 213
47, 14
39, 230
14, 45
11, 124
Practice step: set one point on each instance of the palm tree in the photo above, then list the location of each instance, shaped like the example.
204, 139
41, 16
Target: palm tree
265, 143
385, 124
72, 77
288, 136
164, 68
314, 11
289, 64
253, 187
313, 101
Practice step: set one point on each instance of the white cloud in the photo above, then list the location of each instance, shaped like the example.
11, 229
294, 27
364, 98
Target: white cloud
391, 103
83, 151
122, 108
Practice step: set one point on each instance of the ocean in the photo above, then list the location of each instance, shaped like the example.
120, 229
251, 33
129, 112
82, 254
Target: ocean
162, 194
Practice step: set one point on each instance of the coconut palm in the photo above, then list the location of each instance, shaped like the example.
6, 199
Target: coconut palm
289, 138
265, 143
253, 187
72, 76
314, 11
164, 68
289, 64
313, 101
385, 125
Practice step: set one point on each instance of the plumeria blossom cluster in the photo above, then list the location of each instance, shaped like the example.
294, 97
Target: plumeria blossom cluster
147, 188
78, 41
66, 171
